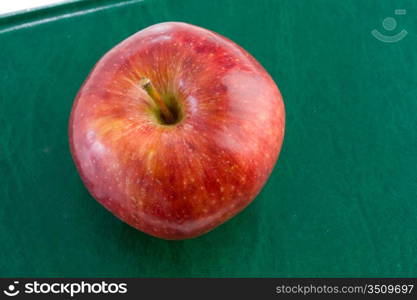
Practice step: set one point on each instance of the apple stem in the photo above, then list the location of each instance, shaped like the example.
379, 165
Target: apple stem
147, 85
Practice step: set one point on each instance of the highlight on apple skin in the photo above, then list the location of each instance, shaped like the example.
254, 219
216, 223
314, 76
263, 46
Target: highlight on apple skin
176, 130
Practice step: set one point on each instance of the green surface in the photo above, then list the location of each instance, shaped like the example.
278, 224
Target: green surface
342, 200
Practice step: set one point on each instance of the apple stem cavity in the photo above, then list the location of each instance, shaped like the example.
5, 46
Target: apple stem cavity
166, 115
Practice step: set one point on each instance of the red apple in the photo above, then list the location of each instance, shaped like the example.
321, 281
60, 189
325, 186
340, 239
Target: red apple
176, 130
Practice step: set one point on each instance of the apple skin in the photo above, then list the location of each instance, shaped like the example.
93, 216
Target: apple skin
181, 180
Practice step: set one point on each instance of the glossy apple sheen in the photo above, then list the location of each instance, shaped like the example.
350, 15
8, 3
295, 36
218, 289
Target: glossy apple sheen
177, 181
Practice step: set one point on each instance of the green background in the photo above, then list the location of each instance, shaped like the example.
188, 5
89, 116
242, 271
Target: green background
342, 200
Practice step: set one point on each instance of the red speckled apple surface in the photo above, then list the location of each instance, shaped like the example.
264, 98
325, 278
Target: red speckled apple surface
178, 180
